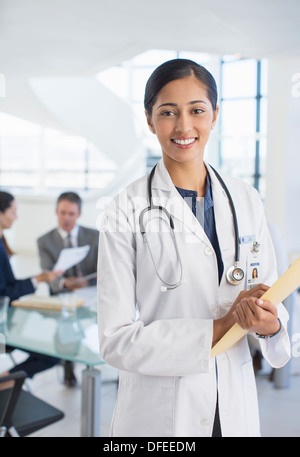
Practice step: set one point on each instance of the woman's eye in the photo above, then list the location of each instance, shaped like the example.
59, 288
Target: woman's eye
167, 113
198, 110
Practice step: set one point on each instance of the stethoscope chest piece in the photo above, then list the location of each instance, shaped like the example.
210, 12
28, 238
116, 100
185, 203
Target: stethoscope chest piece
235, 275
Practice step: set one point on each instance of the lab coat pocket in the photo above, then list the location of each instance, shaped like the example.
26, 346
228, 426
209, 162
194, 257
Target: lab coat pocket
250, 399
145, 406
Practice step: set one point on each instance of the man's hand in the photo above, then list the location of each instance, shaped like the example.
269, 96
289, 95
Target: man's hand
74, 282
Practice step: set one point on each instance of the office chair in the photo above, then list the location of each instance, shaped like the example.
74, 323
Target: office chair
9, 352
22, 413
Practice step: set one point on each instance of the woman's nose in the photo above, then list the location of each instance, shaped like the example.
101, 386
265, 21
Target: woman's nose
183, 124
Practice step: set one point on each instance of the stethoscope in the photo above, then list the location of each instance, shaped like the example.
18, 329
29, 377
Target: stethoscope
235, 274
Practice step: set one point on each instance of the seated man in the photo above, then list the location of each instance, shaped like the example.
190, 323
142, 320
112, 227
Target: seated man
69, 234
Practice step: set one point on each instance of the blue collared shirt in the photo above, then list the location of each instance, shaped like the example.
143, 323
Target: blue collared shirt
206, 217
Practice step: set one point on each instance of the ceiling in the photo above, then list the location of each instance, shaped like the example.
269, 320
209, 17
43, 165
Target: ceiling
50, 51
81, 37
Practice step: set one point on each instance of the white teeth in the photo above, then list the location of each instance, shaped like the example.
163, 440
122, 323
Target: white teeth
187, 141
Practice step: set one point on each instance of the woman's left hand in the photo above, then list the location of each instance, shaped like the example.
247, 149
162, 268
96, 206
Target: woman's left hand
48, 276
256, 315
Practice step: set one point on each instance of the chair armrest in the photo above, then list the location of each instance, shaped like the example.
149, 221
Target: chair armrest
14, 376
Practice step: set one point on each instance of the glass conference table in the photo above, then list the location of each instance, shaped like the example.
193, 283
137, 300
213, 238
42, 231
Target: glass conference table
67, 335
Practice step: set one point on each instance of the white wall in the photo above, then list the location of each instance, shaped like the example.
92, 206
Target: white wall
283, 159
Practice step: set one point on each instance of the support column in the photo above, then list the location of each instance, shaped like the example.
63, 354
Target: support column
91, 402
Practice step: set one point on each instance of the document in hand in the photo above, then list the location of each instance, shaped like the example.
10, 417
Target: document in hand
280, 290
70, 257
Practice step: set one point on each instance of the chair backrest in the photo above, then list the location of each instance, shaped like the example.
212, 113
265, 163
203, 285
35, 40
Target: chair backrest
23, 413
11, 396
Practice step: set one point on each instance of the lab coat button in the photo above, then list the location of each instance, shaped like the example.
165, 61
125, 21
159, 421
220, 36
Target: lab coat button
208, 251
204, 422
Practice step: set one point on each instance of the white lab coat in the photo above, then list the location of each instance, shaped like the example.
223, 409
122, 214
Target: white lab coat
167, 381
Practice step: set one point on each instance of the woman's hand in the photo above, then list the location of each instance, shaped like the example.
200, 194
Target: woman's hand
221, 326
256, 292
255, 315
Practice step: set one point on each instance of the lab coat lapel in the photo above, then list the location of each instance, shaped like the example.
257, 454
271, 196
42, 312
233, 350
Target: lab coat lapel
169, 197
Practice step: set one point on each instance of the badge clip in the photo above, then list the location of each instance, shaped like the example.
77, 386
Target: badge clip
255, 247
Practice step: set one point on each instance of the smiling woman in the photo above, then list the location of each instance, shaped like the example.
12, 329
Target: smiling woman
169, 385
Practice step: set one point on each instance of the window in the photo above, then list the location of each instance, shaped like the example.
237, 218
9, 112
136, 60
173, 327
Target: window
243, 118
39, 160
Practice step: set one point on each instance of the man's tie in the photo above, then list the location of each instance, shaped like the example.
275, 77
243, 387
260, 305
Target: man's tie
75, 271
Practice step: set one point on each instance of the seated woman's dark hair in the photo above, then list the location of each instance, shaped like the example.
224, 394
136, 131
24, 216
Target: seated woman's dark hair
177, 69
6, 200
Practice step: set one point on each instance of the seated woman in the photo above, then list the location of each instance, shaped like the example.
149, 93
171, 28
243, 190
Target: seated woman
15, 288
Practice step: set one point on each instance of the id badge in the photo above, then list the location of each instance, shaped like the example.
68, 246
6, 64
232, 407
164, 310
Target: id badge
253, 270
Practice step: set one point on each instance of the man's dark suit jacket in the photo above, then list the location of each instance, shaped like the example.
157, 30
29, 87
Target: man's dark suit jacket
51, 244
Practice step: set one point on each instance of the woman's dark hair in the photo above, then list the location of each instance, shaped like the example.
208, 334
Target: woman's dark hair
6, 200
177, 69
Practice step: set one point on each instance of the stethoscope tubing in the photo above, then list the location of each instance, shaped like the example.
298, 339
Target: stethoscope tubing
151, 206
235, 222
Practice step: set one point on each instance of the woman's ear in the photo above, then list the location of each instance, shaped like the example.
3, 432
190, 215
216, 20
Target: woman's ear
150, 123
215, 116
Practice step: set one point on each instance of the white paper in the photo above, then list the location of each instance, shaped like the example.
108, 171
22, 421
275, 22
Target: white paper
70, 256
